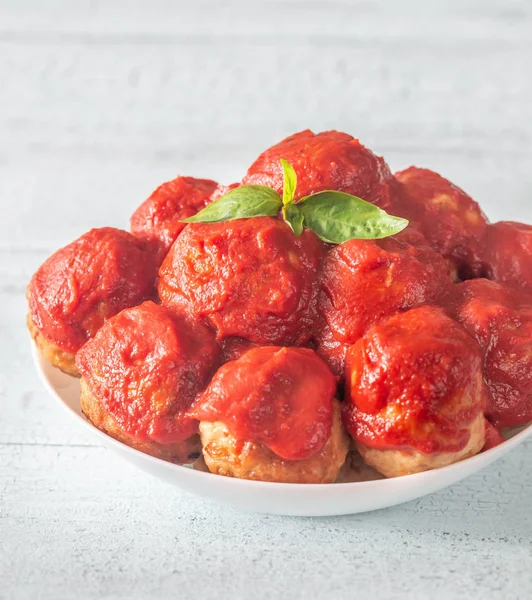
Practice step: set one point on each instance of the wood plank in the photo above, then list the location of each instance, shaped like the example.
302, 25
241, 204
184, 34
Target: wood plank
476, 20
98, 526
156, 99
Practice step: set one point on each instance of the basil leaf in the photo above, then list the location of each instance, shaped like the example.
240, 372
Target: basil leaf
289, 182
240, 203
294, 217
337, 217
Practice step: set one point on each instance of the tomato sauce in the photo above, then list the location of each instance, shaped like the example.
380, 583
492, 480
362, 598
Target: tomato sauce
508, 254
325, 161
249, 278
280, 397
146, 366
83, 284
159, 217
414, 380
244, 296
493, 437
500, 319
363, 281
452, 221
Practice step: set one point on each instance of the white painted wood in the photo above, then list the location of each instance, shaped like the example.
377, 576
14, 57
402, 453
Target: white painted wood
452, 97
81, 523
99, 103
453, 19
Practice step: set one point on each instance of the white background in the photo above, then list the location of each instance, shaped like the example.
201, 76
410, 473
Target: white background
100, 101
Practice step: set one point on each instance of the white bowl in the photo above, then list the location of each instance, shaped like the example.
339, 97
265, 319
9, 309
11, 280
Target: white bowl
278, 498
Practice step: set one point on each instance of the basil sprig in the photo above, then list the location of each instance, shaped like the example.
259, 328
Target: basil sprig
242, 202
289, 182
293, 215
335, 217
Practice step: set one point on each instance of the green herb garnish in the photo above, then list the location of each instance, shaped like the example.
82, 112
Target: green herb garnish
335, 217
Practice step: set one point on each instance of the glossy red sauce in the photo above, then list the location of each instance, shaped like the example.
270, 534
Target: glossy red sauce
363, 281
414, 380
508, 254
159, 217
500, 319
493, 436
329, 348
452, 221
83, 284
325, 161
146, 366
233, 348
413, 377
279, 397
249, 278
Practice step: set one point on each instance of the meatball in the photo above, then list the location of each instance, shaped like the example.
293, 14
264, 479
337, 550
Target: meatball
363, 281
330, 160
414, 393
493, 437
63, 360
356, 470
83, 284
159, 217
271, 415
233, 348
500, 319
508, 254
176, 452
479, 305
141, 373
329, 348
412, 235
225, 455
451, 221
249, 278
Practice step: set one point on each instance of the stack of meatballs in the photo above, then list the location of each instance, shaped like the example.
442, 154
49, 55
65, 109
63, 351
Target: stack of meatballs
280, 357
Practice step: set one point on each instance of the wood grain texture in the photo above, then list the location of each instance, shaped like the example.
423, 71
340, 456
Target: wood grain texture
99, 103
104, 529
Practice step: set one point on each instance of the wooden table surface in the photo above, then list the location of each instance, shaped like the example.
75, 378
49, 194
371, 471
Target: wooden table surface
102, 101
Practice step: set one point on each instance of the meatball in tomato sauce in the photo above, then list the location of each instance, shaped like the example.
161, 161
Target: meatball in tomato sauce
249, 278
508, 254
414, 393
452, 221
493, 437
329, 348
159, 218
140, 375
363, 281
83, 284
500, 319
271, 415
330, 160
